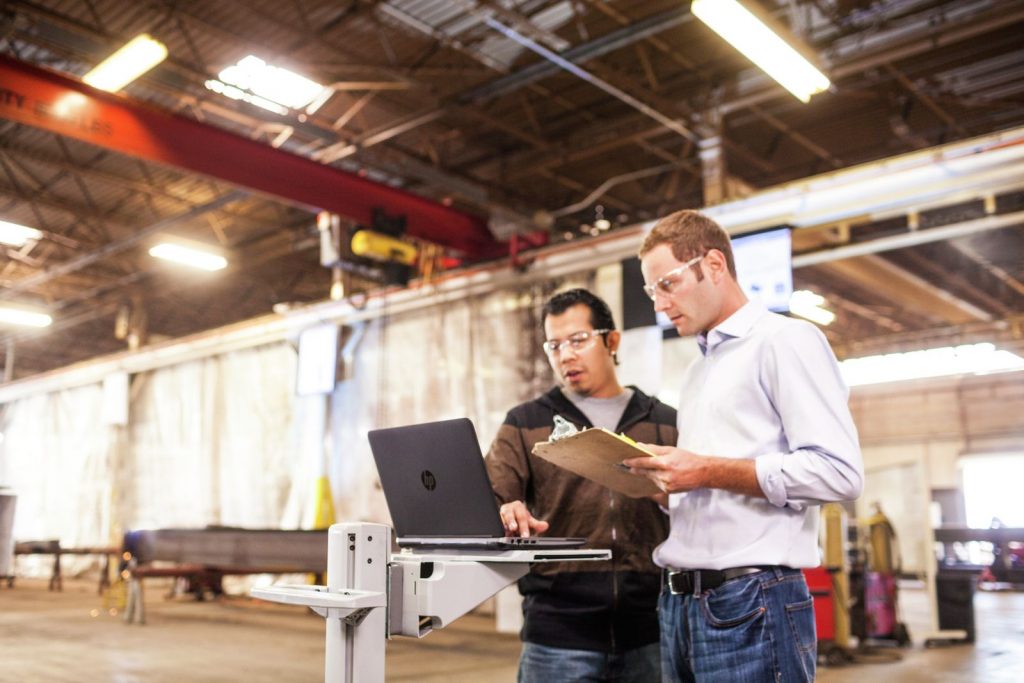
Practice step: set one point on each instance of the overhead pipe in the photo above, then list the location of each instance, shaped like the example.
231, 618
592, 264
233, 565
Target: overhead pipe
939, 175
612, 182
52, 102
615, 40
672, 124
911, 238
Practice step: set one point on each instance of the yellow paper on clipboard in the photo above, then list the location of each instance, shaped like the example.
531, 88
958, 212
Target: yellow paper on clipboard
597, 454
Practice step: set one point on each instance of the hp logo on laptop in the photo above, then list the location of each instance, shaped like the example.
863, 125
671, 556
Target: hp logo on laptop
429, 482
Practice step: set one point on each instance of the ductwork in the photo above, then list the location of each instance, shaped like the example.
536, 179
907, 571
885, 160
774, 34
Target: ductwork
948, 174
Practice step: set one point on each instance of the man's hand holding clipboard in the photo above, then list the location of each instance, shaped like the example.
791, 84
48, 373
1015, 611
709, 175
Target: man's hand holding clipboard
598, 455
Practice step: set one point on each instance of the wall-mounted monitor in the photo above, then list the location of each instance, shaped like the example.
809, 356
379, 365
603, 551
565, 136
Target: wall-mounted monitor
764, 266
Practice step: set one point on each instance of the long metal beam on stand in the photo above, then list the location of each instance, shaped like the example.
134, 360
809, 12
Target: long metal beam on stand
52, 102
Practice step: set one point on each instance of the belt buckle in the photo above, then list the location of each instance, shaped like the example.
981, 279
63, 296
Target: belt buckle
690, 578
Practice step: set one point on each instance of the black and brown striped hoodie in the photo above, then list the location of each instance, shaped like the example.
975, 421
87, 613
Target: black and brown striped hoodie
607, 606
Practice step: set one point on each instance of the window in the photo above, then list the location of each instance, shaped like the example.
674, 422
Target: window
992, 490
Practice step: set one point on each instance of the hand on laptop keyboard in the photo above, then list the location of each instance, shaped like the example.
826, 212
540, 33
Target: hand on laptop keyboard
519, 522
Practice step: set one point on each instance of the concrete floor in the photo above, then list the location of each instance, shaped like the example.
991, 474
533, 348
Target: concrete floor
71, 637
996, 656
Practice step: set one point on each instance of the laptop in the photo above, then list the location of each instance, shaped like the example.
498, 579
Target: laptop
438, 493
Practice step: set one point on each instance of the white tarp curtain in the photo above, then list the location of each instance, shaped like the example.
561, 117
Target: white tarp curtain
55, 455
210, 442
224, 440
473, 358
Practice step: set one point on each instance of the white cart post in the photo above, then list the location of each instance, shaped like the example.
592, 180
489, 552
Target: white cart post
370, 596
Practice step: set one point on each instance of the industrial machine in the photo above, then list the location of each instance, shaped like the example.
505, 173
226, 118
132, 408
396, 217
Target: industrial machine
880, 589
854, 589
953, 577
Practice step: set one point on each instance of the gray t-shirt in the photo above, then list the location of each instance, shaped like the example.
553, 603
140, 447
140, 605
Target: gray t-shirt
602, 412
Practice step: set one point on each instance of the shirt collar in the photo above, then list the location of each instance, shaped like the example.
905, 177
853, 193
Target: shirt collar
736, 325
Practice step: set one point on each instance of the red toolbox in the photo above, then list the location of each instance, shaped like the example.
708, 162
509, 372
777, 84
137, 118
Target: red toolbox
819, 582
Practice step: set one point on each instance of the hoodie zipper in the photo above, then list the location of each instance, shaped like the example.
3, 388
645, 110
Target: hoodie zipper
624, 424
615, 572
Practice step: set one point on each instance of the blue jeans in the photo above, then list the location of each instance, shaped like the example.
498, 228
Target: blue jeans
757, 628
543, 664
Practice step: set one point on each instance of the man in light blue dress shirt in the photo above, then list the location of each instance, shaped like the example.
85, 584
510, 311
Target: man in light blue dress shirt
765, 436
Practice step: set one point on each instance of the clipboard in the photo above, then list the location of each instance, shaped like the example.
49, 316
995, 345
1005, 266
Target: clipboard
597, 454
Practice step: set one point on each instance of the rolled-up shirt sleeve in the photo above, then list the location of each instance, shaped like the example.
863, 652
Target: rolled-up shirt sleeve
823, 463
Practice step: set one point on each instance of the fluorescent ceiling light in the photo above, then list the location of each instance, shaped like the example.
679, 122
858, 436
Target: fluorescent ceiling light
24, 316
968, 359
189, 256
17, 235
808, 305
266, 86
748, 34
136, 57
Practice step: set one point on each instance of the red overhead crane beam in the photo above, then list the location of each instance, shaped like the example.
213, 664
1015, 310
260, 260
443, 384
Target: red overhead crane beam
47, 100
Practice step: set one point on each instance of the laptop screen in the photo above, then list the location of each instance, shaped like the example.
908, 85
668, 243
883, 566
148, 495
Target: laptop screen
434, 480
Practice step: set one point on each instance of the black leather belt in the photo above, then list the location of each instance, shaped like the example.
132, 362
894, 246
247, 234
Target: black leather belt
694, 581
